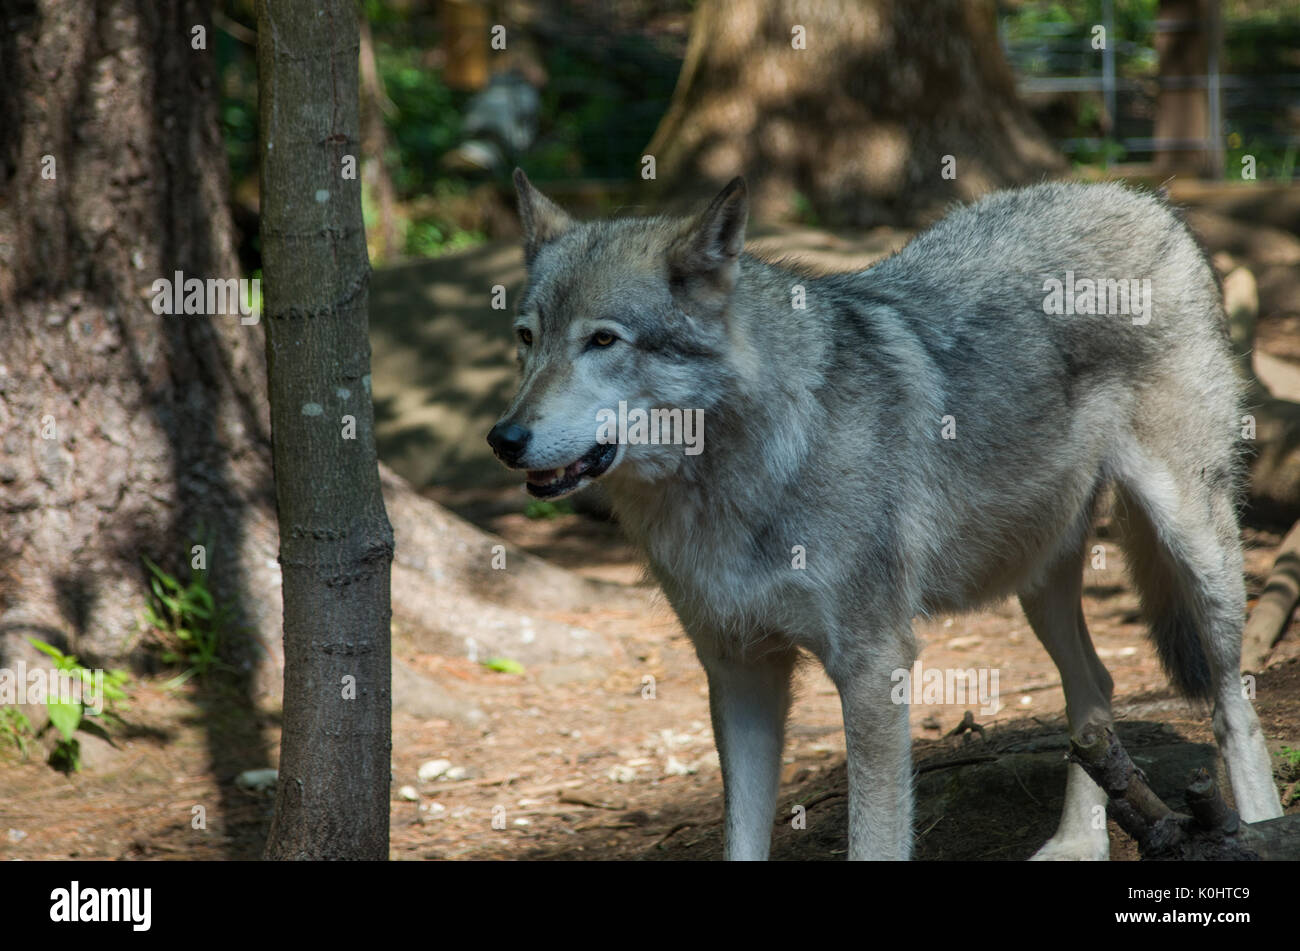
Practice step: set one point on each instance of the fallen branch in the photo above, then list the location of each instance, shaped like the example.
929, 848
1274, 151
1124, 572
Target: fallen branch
1213, 832
967, 724
577, 799
1273, 609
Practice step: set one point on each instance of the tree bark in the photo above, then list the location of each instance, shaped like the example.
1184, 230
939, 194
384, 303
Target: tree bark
159, 424
123, 430
336, 544
860, 121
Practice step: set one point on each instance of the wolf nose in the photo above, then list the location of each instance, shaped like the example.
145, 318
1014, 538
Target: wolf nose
508, 441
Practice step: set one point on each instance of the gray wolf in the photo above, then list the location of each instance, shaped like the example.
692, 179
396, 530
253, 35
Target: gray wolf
923, 436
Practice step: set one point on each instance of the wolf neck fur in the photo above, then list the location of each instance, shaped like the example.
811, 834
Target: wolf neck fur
758, 433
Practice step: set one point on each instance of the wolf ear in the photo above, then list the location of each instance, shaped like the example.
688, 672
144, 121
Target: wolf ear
543, 219
702, 262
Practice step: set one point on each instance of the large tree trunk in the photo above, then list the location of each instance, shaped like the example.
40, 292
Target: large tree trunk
123, 430
336, 545
860, 121
158, 424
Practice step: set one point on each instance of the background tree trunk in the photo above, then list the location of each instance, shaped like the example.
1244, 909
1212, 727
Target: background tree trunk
160, 423
376, 144
336, 544
157, 424
860, 121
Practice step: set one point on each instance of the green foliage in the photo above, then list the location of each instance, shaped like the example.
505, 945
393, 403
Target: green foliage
16, 729
1053, 39
1271, 162
237, 104
804, 211
1106, 151
1290, 756
191, 626
427, 121
431, 237
67, 715
542, 509
504, 665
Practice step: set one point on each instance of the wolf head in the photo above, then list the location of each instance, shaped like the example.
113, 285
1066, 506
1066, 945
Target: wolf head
628, 313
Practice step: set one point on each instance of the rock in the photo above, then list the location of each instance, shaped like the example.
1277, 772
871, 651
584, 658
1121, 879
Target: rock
409, 794
424, 697
622, 774
98, 753
675, 767
433, 769
455, 774
559, 674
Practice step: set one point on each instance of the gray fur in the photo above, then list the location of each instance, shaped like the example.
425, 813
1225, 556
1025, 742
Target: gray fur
825, 430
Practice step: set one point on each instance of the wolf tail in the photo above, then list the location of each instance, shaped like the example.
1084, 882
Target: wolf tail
1190, 582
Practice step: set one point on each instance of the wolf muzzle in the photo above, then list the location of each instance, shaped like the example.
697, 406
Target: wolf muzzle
508, 441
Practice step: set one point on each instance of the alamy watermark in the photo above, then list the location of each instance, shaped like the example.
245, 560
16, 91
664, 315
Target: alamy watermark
654, 427
1130, 298
18, 685
212, 297
937, 685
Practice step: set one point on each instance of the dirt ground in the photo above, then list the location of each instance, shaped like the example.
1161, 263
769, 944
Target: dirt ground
615, 760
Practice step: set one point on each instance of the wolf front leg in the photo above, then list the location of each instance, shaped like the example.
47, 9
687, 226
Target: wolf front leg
879, 746
748, 701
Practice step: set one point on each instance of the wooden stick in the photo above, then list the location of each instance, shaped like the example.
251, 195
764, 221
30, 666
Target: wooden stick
1273, 609
1214, 832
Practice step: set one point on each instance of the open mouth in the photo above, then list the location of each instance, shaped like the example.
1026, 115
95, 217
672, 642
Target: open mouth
549, 483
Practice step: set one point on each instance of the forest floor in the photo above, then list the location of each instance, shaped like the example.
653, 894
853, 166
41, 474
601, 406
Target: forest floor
581, 759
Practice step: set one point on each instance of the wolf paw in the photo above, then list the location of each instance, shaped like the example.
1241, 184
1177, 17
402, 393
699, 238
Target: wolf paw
1073, 850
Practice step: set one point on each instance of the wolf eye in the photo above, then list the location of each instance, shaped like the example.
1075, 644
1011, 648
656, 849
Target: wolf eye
602, 338
525, 336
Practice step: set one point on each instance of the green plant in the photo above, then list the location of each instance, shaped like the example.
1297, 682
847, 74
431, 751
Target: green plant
804, 211
430, 238
68, 715
189, 624
540, 508
15, 726
1290, 756
504, 665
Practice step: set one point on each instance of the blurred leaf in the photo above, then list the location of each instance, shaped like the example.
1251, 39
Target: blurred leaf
504, 665
65, 716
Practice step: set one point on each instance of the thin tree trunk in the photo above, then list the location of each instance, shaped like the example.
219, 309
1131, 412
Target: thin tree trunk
336, 544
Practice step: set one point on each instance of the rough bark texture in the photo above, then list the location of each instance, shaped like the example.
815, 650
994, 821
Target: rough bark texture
860, 121
336, 544
160, 423
122, 430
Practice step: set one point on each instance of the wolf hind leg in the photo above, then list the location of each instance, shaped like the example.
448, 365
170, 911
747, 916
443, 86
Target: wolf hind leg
1056, 615
1184, 553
